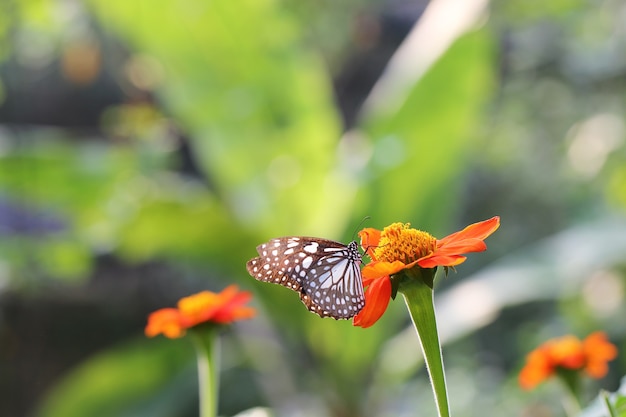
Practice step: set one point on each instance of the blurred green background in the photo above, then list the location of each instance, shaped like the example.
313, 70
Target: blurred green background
147, 147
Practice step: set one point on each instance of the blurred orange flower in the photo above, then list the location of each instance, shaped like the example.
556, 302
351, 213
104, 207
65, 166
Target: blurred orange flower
568, 352
398, 247
220, 308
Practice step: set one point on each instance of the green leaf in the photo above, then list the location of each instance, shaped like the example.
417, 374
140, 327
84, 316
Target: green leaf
258, 104
143, 378
421, 151
607, 404
65, 258
620, 404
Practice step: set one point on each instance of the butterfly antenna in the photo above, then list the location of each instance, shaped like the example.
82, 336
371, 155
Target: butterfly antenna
355, 233
359, 225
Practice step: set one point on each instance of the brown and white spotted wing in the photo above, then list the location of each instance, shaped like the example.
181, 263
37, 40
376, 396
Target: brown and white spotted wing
326, 273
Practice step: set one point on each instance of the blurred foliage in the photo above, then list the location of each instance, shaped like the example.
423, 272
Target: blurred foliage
615, 400
130, 380
146, 148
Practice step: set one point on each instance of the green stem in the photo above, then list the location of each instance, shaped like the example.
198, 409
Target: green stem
604, 396
571, 379
206, 343
416, 288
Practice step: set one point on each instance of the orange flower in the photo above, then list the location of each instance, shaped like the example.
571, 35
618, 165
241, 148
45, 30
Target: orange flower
568, 353
220, 308
398, 247
166, 321
598, 351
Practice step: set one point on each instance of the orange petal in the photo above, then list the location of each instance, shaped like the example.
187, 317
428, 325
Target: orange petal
369, 240
537, 369
598, 351
375, 270
566, 352
197, 308
436, 260
597, 346
227, 294
209, 306
226, 316
597, 369
233, 309
233, 297
480, 230
166, 321
377, 297
460, 247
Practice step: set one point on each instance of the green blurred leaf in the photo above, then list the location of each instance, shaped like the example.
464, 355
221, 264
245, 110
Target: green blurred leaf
65, 258
520, 11
422, 151
113, 198
142, 378
258, 103
52, 171
620, 404
617, 400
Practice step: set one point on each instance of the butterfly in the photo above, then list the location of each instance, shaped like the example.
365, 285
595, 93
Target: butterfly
325, 273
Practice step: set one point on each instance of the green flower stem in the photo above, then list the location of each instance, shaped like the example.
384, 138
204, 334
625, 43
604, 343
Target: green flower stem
571, 379
416, 286
604, 397
206, 343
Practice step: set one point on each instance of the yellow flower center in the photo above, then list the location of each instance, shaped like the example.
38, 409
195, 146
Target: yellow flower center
398, 242
194, 305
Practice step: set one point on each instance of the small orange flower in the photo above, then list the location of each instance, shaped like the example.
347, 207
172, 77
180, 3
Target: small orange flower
398, 247
166, 321
220, 308
569, 353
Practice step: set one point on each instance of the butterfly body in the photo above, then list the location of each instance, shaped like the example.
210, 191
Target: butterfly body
325, 273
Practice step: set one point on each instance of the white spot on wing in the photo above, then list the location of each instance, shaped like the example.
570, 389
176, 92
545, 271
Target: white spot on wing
311, 247
330, 249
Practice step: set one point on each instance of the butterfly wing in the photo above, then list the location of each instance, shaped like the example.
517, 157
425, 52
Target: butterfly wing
325, 273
